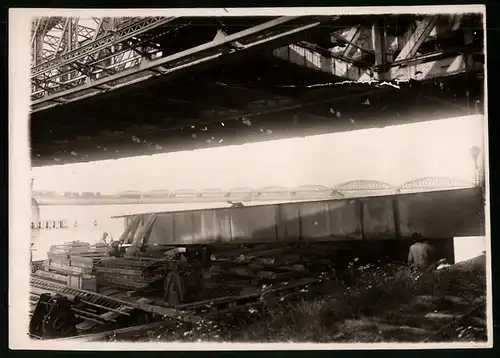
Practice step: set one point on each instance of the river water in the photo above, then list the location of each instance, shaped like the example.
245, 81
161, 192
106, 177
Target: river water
92, 221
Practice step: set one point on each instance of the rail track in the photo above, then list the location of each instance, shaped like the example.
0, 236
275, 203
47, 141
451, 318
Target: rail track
105, 312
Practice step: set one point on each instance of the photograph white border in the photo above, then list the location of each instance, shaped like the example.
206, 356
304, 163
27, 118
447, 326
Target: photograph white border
19, 175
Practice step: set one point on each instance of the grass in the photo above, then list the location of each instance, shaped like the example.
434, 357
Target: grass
377, 292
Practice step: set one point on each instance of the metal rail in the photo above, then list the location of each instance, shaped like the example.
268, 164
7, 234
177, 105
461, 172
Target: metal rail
91, 298
202, 309
39, 286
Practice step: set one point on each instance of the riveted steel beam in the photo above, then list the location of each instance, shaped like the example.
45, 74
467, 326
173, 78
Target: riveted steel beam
352, 44
425, 70
418, 37
350, 49
308, 56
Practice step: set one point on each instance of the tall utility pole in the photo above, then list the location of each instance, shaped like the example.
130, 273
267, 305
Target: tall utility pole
474, 152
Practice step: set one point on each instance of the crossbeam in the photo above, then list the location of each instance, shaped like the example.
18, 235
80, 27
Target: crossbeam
417, 38
350, 50
438, 64
449, 66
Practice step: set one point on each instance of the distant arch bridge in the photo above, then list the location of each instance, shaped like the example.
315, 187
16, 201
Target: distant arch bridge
354, 188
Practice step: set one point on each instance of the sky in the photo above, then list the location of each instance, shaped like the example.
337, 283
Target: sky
394, 154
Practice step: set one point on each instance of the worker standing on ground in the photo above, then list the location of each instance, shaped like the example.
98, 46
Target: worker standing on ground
421, 251
31, 252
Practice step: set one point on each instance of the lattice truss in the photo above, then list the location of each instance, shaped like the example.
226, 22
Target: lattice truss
355, 188
385, 51
352, 188
75, 57
68, 52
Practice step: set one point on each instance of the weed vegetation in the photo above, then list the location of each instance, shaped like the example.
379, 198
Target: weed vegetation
396, 295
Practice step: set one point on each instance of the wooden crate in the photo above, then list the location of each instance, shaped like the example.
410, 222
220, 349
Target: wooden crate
82, 282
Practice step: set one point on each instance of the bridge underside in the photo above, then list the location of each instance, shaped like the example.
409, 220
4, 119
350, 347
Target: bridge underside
324, 77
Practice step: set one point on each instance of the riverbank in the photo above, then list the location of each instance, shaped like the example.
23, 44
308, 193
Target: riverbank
392, 303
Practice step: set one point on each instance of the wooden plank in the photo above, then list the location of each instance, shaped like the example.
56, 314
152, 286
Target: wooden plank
52, 276
87, 325
169, 312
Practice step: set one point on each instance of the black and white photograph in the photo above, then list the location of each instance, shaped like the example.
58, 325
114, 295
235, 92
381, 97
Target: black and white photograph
268, 178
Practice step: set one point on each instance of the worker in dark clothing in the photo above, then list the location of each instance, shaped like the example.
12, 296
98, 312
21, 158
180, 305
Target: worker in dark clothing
31, 252
236, 205
114, 249
420, 254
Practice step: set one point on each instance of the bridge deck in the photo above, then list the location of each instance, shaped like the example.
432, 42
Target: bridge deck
263, 78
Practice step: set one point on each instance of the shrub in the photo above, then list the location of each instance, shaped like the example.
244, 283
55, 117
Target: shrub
377, 291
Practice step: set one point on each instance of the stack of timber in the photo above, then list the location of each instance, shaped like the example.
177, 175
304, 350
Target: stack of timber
242, 270
76, 256
184, 284
87, 260
68, 248
129, 272
261, 265
73, 264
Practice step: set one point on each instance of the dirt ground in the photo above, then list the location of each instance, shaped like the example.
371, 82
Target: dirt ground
392, 303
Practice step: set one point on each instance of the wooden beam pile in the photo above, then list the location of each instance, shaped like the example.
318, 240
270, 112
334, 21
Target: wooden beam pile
75, 257
73, 264
68, 248
129, 272
248, 269
87, 260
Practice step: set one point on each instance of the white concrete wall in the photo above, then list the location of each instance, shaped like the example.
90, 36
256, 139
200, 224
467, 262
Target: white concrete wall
469, 247
35, 210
